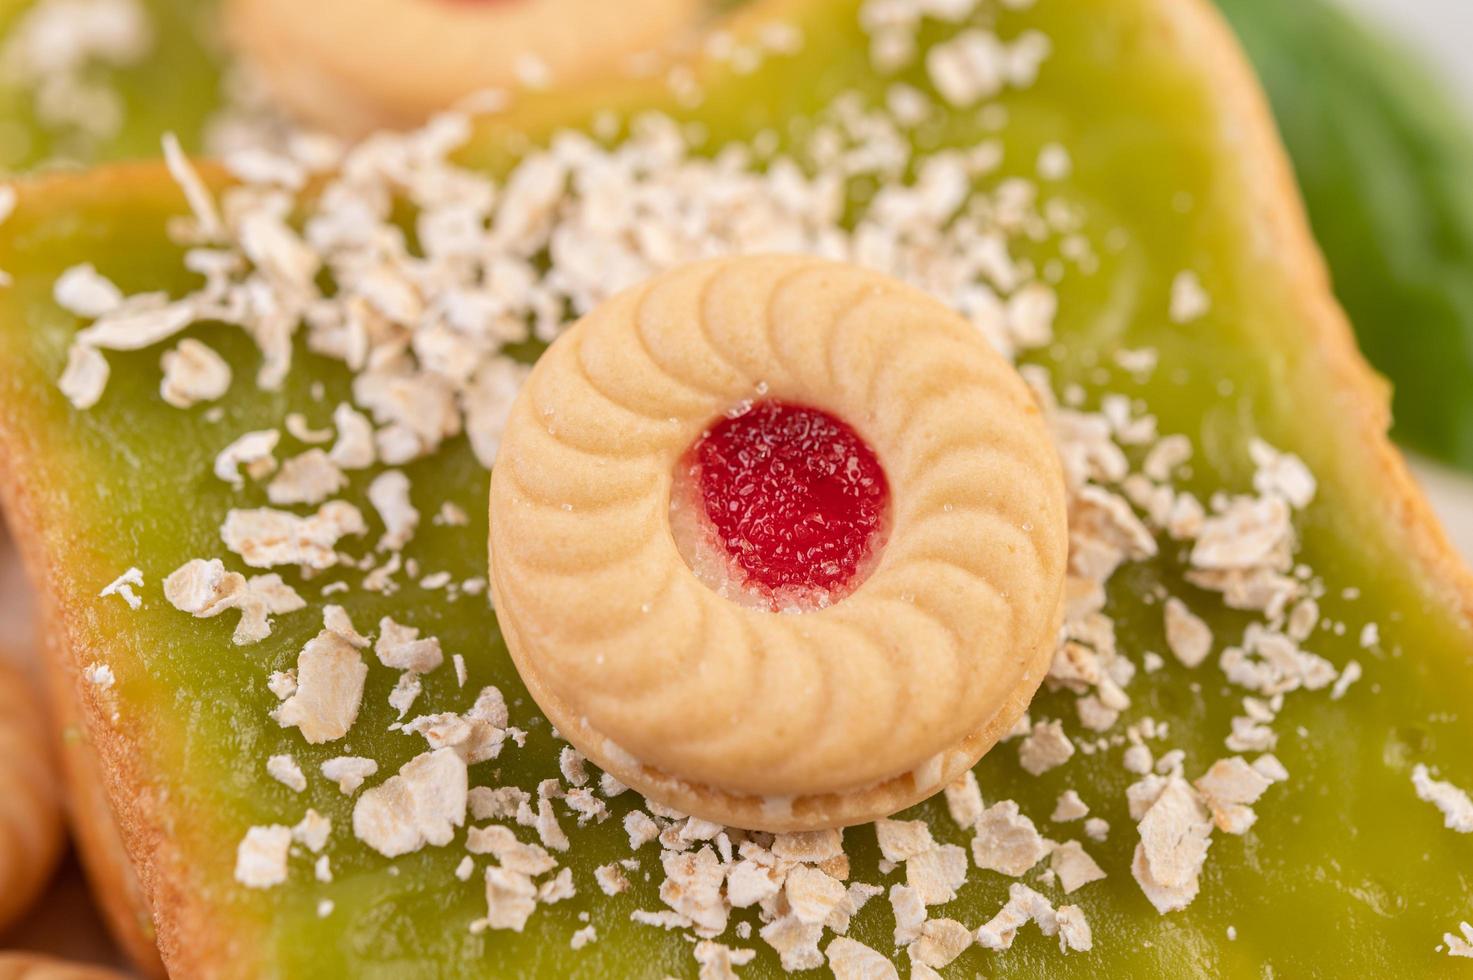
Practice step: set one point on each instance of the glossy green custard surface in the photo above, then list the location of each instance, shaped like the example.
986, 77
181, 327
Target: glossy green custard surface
1345, 873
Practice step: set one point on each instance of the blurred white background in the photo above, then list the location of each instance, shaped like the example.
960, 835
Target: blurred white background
1442, 28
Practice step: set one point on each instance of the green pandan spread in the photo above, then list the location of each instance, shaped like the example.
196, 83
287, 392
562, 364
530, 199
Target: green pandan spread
1345, 872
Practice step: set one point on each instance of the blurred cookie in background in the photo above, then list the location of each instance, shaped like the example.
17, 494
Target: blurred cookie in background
350, 66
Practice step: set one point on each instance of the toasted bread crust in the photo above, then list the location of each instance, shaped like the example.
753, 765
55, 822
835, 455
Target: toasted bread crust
196, 941
114, 883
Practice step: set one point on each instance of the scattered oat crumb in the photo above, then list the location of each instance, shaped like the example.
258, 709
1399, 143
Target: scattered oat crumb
964, 800
406, 691
401, 648
501, 843
349, 772
301, 430
1045, 748
193, 373
330, 676
264, 538
718, 961
942, 940
901, 840
195, 192
850, 959
205, 589
354, 448
1024, 905
1074, 867
1189, 301
1456, 807
389, 494
1074, 931
1187, 636
84, 378
253, 450
309, 478
812, 894
796, 943
122, 586
284, 769
1229, 788
1069, 807
573, 766
1054, 162
1175, 835
422, 804
611, 879
85, 292
1007, 842
1460, 946
1281, 474
937, 874
451, 515
910, 913
511, 898
312, 832
1349, 674
260, 860
692, 887
549, 831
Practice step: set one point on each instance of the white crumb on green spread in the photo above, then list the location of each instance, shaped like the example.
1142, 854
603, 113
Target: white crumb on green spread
260, 860
1189, 301
1460, 946
122, 587
1454, 803
284, 769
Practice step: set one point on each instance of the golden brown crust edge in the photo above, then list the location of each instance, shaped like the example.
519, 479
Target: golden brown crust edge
110, 874
193, 945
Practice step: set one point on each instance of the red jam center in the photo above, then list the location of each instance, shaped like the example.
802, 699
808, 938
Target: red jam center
796, 497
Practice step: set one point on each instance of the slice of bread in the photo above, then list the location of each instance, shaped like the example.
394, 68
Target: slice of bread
183, 737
